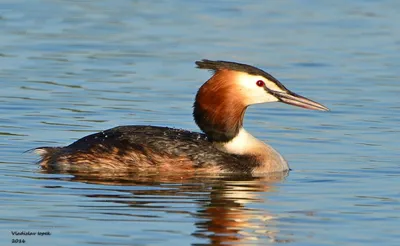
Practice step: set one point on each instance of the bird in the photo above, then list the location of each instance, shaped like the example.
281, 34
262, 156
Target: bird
224, 146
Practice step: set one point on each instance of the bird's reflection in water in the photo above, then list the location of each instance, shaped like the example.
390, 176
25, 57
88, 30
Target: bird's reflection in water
223, 214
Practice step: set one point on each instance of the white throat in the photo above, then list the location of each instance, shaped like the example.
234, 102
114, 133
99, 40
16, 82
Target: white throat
243, 143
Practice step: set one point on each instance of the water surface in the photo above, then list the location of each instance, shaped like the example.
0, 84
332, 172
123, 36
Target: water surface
71, 68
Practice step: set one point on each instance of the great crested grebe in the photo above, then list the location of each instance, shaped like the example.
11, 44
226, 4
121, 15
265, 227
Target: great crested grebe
219, 108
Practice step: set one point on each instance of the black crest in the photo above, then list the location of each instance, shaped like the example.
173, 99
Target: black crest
221, 65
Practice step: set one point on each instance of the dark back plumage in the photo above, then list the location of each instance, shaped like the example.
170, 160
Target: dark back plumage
120, 146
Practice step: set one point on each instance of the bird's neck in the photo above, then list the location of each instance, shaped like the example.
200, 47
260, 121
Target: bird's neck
218, 109
223, 125
218, 121
221, 119
242, 144
267, 158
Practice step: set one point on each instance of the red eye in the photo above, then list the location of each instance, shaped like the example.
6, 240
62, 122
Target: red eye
260, 83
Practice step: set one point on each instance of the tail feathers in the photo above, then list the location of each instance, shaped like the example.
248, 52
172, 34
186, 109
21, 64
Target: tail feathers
43, 151
48, 155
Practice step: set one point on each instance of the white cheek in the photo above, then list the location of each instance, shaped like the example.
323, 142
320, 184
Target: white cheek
253, 93
262, 98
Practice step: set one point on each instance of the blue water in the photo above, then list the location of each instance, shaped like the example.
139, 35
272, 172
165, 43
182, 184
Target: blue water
70, 68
